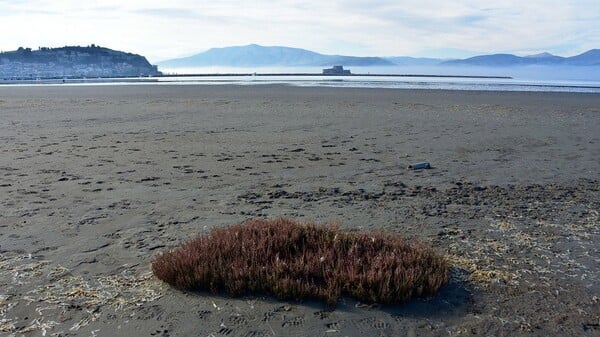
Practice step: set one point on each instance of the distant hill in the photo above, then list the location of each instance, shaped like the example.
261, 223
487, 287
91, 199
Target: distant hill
542, 55
256, 56
75, 61
414, 61
493, 60
589, 58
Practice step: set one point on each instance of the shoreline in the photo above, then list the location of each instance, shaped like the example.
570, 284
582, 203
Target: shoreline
71, 78
334, 75
328, 82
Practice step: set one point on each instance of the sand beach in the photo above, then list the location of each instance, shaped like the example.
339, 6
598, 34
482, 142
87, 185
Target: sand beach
96, 180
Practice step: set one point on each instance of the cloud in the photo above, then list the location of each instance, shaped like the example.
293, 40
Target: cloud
174, 13
359, 27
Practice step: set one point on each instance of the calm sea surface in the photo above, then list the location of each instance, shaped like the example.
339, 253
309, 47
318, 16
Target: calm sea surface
396, 83
545, 79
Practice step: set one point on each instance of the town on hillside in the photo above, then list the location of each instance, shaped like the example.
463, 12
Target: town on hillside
72, 62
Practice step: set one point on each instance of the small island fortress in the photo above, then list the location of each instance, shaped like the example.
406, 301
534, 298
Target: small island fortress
336, 70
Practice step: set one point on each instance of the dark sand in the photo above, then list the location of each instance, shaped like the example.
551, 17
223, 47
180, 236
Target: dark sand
94, 181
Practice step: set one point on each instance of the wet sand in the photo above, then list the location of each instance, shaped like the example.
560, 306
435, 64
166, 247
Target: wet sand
96, 180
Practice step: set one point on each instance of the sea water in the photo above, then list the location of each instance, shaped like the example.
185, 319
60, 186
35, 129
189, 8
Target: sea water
533, 78
527, 78
395, 83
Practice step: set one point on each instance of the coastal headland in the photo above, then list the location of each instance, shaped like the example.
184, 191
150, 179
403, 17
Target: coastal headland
97, 180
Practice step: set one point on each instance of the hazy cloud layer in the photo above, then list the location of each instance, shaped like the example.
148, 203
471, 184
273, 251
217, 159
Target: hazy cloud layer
163, 30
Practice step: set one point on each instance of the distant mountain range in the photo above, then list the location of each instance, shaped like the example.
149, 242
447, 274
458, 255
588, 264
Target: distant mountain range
256, 56
260, 56
75, 61
589, 58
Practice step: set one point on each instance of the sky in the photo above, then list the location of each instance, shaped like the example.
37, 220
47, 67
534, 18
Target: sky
163, 30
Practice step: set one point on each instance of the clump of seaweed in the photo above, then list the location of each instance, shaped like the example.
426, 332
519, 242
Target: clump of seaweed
293, 260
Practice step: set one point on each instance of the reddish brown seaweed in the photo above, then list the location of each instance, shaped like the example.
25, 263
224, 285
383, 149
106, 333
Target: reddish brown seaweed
293, 260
